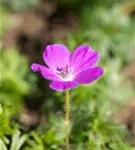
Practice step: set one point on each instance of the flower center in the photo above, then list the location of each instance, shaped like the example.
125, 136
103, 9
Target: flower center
65, 73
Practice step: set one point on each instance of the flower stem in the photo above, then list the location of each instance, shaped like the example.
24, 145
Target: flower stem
67, 120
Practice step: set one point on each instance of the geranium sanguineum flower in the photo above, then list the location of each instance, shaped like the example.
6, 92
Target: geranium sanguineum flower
68, 70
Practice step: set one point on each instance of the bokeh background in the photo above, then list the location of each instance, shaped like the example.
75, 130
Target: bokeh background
102, 114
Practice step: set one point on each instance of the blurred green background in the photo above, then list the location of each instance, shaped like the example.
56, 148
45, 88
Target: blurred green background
102, 114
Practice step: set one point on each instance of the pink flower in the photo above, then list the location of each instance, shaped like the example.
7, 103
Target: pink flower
66, 70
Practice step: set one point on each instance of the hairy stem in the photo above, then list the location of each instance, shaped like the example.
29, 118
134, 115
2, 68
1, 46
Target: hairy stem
67, 120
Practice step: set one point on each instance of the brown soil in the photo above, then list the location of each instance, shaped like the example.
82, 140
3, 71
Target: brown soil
130, 72
33, 30
127, 114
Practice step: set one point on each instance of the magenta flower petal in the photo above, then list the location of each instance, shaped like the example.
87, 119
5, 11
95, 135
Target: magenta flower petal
68, 71
89, 75
45, 72
83, 58
56, 55
62, 86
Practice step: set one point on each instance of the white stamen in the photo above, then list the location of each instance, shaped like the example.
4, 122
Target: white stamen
69, 77
65, 74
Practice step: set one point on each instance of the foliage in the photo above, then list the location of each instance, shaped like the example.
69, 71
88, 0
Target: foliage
78, 5
111, 38
14, 86
5, 125
95, 130
16, 144
6, 22
19, 5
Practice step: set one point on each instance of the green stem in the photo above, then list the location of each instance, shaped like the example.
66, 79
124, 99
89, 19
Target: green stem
67, 120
